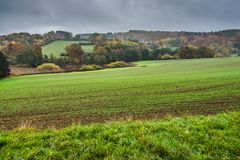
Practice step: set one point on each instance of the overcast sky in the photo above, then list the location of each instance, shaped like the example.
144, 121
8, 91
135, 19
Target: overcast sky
82, 16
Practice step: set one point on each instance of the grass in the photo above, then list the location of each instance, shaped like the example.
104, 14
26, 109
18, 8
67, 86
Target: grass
57, 47
200, 137
178, 87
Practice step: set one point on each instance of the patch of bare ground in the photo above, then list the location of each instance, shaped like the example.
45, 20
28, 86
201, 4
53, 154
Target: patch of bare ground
16, 71
19, 71
60, 118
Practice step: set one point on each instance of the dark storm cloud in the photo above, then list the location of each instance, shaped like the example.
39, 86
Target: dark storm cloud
39, 16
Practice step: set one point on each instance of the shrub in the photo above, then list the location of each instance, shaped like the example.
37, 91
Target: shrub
165, 57
86, 68
90, 67
118, 64
49, 67
96, 67
4, 66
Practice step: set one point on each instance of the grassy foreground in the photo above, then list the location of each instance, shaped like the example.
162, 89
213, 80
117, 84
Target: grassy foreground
57, 47
161, 88
200, 137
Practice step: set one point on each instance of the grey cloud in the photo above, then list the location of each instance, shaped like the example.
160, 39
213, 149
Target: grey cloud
78, 16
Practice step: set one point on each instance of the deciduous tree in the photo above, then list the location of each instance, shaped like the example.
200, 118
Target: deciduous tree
75, 52
187, 52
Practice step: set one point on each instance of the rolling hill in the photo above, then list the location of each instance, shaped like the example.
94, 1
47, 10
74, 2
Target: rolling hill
153, 89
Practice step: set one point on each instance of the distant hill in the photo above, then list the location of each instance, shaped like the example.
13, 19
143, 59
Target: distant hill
28, 39
225, 42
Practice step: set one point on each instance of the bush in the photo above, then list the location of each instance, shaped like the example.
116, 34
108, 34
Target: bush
96, 67
4, 66
165, 57
49, 67
90, 67
86, 68
118, 64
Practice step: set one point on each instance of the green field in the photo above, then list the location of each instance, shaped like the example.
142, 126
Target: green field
153, 89
212, 138
57, 47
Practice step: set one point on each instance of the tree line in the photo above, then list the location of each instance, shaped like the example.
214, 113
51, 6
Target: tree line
128, 51
105, 52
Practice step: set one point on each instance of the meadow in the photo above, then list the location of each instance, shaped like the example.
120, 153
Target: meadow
193, 138
57, 47
151, 90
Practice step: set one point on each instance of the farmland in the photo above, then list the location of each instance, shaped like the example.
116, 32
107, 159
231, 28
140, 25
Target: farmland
120, 80
152, 89
57, 47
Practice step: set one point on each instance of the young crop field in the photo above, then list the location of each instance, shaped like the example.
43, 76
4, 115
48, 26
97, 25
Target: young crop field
152, 89
57, 47
198, 137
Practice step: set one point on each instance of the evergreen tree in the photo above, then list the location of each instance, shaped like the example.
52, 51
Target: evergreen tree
4, 66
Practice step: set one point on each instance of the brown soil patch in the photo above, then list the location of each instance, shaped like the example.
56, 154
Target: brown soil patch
63, 118
16, 71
